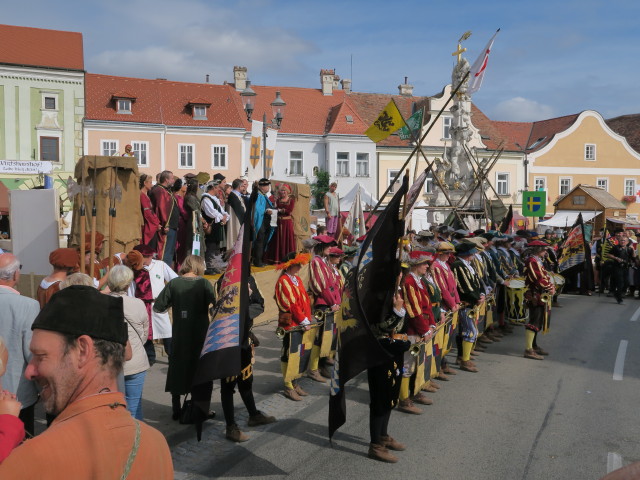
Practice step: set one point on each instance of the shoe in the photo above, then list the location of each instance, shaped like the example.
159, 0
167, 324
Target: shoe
422, 399
379, 452
442, 377
291, 394
469, 362
492, 337
468, 368
300, 391
260, 419
325, 371
449, 371
407, 406
474, 353
234, 434
428, 388
479, 348
315, 375
434, 384
540, 351
392, 444
531, 353
485, 339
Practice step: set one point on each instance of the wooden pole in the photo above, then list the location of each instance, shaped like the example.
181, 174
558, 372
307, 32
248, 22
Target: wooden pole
83, 219
93, 222
112, 215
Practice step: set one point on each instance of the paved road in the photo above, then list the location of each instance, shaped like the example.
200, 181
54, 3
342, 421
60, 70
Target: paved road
571, 416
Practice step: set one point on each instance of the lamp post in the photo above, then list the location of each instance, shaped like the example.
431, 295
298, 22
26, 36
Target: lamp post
525, 162
277, 108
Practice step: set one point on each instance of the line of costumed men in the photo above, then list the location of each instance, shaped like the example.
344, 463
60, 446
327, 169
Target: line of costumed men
446, 295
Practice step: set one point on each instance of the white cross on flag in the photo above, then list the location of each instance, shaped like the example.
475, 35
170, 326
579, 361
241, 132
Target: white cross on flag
479, 66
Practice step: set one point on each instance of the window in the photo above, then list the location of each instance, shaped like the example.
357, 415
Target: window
428, 184
218, 156
186, 157
630, 187
579, 200
200, 112
565, 186
109, 147
603, 183
342, 164
590, 152
446, 127
124, 105
502, 183
391, 174
539, 183
50, 149
50, 103
362, 164
295, 163
140, 150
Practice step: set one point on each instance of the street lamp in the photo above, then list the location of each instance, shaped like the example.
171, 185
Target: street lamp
525, 162
277, 110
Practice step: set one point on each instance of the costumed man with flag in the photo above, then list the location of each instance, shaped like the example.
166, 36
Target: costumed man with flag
540, 289
262, 211
420, 325
471, 295
325, 283
294, 308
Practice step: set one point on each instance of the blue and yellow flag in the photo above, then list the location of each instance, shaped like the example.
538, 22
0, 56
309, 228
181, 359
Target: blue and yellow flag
389, 120
534, 204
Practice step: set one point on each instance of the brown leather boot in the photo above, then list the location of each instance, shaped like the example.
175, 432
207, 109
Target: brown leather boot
407, 406
234, 434
389, 442
379, 452
422, 399
291, 394
468, 368
449, 371
531, 353
540, 351
315, 375
300, 391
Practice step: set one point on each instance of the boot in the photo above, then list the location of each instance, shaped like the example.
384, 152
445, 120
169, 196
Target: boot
531, 353
379, 452
300, 391
540, 351
442, 377
422, 399
485, 339
429, 388
449, 371
291, 394
389, 442
315, 375
234, 434
468, 368
260, 419
407, 406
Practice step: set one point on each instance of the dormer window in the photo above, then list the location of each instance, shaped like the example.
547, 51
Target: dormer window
199, 108
123, 102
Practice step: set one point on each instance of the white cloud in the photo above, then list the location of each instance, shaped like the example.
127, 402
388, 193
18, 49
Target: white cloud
520, 109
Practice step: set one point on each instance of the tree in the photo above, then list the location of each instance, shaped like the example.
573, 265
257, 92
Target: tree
320, 187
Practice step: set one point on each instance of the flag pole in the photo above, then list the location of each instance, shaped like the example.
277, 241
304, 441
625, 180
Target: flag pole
424, 135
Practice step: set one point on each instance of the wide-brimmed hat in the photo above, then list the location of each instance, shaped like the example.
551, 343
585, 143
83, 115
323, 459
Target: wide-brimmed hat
418, 257
325, 239
425, 233
537, 243
445, 247
466, 248
335, 252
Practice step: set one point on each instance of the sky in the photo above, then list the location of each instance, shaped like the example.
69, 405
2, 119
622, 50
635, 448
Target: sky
551, 58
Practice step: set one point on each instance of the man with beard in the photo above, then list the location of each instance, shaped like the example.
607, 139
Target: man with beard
78, 350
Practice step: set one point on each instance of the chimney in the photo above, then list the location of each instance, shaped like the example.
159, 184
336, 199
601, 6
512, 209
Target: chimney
346, 86
405, 89
206, 78
240, 78
327, 78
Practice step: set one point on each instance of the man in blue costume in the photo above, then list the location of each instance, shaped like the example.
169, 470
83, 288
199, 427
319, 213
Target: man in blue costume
262, 222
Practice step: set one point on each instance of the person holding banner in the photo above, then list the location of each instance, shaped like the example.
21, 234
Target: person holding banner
538, 296
294, 308
420, 326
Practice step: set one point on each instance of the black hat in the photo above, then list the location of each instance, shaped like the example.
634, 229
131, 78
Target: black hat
263, 181
219, 177
81, 310
466, 248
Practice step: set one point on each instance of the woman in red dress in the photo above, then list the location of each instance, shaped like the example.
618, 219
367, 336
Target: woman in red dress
284, 240
151, 222
185, 229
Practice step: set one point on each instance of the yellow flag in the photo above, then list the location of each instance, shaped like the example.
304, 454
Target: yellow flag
387, 122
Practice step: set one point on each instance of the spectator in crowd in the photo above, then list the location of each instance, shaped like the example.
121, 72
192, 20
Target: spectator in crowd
283, 240
196, 222
236, 208
65, 261
215, 221
332, 210
151, 225
185, 233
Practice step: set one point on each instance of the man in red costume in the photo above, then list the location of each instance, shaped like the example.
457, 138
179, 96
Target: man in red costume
166, 209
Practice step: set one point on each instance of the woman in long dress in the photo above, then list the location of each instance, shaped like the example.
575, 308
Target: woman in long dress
151, 222
284, 240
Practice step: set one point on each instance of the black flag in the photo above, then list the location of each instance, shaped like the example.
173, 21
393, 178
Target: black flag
366, 300
506, 220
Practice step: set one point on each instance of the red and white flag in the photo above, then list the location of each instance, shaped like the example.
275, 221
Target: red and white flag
479, 66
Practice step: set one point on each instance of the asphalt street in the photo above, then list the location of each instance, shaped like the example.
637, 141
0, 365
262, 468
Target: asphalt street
570, 416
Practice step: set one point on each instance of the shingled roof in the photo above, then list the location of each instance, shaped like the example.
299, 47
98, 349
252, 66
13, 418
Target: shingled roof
37, 47
629, 127
600, 195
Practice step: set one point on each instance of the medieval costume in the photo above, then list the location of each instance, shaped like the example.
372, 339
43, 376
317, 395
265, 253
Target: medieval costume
284, 240
166, 209
236, 208
65, 261
151, 224
261, 223
215, 235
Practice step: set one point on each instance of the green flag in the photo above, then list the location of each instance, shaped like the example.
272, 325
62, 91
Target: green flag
414, 123
534, 204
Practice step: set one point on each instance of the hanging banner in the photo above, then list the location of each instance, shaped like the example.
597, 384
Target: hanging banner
28, 167
256, 142
270, 148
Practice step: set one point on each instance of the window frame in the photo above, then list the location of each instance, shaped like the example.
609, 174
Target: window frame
300, 172
391, 173
360, 162
196, 115
44, 96
560, 179
139, 143
506, 183
57, 140
428, 184
575, 197
225, 165
115, 150
635, 187
342, 161
124, 111
606, 181
193, 156
446, 129
586, 156
544, 181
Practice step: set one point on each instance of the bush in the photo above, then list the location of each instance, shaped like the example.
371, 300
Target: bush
320, 187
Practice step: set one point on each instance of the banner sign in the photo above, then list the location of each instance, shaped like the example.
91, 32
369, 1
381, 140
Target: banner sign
17, 166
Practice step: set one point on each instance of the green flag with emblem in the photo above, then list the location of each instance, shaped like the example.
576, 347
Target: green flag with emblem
534, 204
414, 122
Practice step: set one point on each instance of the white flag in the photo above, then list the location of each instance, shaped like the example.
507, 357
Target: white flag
479, 66
355, 218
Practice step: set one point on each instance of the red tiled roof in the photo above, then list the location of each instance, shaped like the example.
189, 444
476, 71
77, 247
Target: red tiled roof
162, 102
338, 120
495, 133
38, 47
629, 127
544, 130
123, 95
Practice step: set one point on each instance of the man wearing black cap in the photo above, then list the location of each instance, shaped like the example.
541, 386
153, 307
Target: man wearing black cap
78, 350
262, 211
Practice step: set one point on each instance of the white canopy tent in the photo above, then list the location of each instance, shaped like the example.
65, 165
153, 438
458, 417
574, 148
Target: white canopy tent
365, 197
566, 218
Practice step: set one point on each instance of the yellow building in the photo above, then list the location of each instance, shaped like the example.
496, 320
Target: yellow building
581, 149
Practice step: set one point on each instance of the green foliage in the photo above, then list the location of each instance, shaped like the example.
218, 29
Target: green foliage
320, 187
